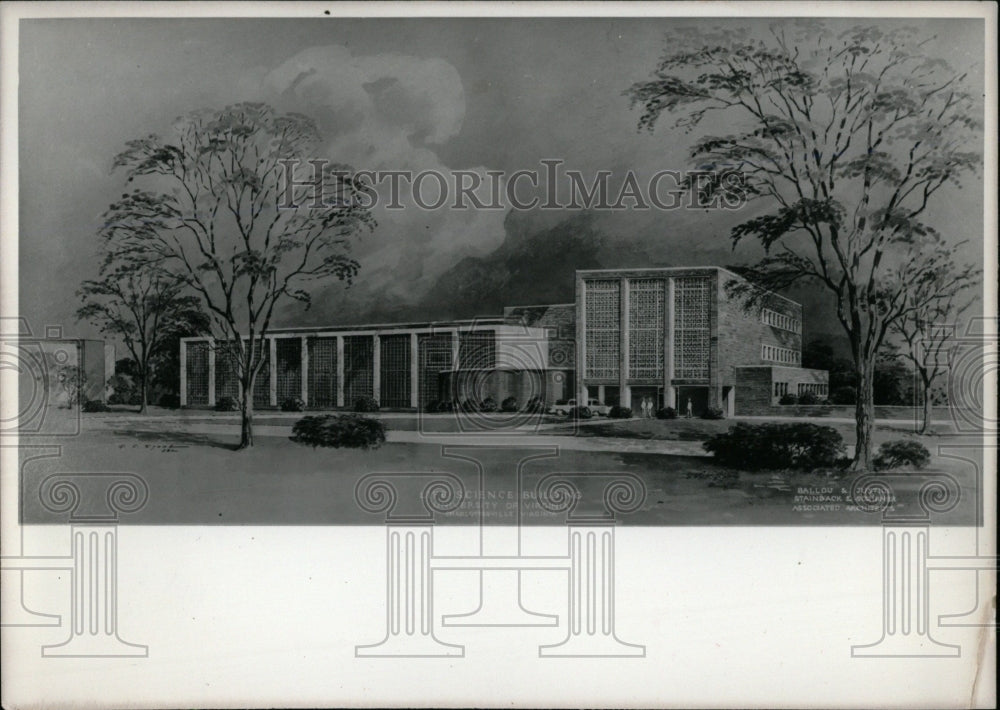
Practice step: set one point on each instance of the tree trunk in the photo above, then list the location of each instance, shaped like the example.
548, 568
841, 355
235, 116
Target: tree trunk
926, 427
864, 414
246, 417
143, 396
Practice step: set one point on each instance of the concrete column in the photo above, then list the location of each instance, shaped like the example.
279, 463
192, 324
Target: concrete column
414, 371
600, 394
669, 391
184, 379
623, 358
340, 370
211, 372
377, 368
272, 384
731, 402
581, 340
304, 369
454, 350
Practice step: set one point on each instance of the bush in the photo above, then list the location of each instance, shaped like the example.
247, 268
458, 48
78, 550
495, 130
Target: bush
365, 404
666, 413
901, 452
169, 400
713, 413
581, 413
339, 431
226, 404
808, 398
796, 445
618, 412
293, 404
535, 404
509, 405
788, 398
843, 395
95, 405
488, 405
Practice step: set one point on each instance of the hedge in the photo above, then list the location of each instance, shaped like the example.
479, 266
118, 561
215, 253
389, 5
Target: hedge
776, 446
339, 431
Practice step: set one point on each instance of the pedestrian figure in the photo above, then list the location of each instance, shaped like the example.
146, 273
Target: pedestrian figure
690, 409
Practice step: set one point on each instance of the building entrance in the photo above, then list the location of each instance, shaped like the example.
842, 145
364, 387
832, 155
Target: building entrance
698, 396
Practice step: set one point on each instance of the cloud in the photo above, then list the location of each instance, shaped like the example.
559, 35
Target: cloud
390, 112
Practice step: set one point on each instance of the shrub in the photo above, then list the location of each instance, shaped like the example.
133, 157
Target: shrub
843, 395
226, 404
509, 405
169, 400
901, 452
535, 404
365, 404
666, 413
339, 431
488, 405
293, 404
788, 398
581, 413
777, 446
95, 405
713, 413
618, 412
808, 398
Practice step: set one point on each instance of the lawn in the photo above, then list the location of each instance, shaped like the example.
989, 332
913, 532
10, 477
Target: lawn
197, 479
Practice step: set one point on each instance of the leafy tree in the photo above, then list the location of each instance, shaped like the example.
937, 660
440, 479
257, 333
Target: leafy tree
892, 383
927, 328
843, 140
139, 304
228, 210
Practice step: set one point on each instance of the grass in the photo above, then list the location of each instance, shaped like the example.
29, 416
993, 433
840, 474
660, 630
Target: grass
198, 479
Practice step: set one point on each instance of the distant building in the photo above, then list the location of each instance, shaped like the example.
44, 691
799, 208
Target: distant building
672, 335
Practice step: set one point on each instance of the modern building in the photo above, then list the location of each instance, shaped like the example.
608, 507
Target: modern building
673, 335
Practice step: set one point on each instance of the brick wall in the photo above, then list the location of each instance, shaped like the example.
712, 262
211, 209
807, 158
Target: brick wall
741, 332
755, 387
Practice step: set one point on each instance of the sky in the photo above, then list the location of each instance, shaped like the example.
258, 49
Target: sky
445, 94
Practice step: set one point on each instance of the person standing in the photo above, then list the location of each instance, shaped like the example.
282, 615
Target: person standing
690, 409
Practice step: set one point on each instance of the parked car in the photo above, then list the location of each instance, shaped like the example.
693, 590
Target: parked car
566, 407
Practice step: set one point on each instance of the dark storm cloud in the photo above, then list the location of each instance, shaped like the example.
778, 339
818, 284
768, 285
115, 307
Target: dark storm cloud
393, 94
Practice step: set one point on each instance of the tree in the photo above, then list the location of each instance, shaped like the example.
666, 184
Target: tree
229, 212
842, 142
927, 328
140, 304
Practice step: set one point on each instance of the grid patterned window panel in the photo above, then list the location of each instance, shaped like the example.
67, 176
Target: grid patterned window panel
227, 379
477, 350
394, 370
262, 383
289, 352
359, 363
646, 312
197, 372
603, 322
322, 372
691, 327
434, 351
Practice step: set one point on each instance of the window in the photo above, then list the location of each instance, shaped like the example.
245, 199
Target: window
780, 321
603, 320
784, 356
645, 328
691, 328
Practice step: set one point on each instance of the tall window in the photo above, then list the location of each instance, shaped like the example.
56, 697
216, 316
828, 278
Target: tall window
394, 370
645, 329
322, 372
691, 327
603, 319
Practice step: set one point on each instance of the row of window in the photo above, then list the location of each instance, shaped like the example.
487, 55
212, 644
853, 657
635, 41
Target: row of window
781, 388
779, 320
785, 356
